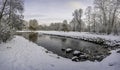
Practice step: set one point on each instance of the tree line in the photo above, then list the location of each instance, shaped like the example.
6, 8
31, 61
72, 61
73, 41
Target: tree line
102, 17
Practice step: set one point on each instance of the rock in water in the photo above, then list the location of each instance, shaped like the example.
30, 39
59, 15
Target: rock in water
99, 58
69, 50
83, 56
118, 51
75, 58
47, 51
63, 49
76, 53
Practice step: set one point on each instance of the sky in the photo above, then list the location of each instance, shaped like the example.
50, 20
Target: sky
50, 11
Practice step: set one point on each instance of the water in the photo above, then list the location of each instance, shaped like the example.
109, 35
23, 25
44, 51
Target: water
56, 44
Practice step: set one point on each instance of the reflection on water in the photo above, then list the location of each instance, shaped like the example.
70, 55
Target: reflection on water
55, 44
33, 37
30, 36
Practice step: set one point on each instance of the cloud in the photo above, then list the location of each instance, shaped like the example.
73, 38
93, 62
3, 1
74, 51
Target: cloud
34, 15
75, 4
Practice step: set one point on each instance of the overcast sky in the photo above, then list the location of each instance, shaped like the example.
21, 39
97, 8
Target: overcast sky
47, 11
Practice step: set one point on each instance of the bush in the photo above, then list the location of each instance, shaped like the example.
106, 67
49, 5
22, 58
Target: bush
6, 32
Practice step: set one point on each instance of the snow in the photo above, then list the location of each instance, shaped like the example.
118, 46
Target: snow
76, 52
68, 50
21, 54
75, 58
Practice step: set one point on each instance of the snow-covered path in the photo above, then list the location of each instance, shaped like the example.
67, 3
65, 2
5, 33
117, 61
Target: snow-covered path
21, 54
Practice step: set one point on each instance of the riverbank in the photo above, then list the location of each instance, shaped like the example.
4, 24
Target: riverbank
108, 40
21, 54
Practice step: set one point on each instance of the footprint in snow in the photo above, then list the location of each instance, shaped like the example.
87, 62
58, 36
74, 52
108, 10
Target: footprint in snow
112, 64
9, 47
52, 65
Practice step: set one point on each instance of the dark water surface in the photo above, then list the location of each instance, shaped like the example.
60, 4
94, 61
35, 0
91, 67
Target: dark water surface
56, 44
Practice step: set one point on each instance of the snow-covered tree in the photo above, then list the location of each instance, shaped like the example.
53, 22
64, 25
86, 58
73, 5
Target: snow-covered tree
55, 26
10, 17
73, 25
109, 12
64, 26
33, 24
88, 13
77, 21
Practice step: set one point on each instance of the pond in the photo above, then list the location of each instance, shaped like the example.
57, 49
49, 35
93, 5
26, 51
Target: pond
68, 47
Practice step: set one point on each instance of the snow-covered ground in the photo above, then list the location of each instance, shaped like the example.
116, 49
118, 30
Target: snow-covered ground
21, 54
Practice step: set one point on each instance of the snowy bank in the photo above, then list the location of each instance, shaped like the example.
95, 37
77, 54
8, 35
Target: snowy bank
109, 40
21, 54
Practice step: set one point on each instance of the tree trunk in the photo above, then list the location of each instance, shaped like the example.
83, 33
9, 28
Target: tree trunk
3, 8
